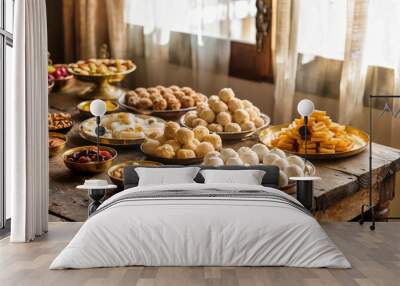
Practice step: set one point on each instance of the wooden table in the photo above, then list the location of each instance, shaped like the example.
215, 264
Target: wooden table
338, 196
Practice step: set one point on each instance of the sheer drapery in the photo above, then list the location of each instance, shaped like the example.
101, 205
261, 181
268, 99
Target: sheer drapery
27, 131
90, 23
185, 34
346, 50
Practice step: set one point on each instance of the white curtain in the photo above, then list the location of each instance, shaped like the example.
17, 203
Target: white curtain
26, 120
193, 36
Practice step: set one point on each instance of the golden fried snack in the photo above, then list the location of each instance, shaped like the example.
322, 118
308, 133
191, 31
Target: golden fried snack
214, 139
232, 127
215, 127
248, 125
234, 104
160, 104
144, 103
150, 146
174, 104
241, 116
189, 117
226, 94
184, 135
187, 101
200, 131
199, 121
203, 148
170, 129
224, 118
174, 143
185, 154
207, 115
165, 151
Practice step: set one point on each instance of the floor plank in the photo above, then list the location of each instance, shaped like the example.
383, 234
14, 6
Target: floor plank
375, 257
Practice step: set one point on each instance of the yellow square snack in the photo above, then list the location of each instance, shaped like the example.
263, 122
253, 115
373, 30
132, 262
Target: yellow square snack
327, 146
309, 151
326, 151
317, 113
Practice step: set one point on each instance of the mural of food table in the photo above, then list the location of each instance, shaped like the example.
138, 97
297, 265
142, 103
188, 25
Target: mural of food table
337, 197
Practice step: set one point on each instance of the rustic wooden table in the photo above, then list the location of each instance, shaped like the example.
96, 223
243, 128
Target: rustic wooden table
338, 196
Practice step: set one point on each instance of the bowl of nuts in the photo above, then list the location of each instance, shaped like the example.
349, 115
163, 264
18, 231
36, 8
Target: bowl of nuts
60, 122
86, 160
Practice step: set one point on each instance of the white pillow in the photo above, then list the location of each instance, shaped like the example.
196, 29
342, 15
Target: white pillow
166, 176
247, 177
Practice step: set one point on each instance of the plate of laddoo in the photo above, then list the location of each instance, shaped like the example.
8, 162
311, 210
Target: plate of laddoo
162, 101
180, 145
227, 115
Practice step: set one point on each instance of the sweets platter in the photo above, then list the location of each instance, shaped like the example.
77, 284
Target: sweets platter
337, 196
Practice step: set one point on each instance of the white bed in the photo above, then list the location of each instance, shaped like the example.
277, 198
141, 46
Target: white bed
246, 225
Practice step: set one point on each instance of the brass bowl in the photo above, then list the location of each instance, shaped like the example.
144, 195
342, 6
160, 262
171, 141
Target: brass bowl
92, 167
81, 106
158, 113
359, 137
103, 89
119, 181
236, 135
55, 150
173, 161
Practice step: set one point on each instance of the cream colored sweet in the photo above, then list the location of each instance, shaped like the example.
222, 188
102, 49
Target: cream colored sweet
261, 150
249, 158
227, 153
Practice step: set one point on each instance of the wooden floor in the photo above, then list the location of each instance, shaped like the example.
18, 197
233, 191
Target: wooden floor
375, 257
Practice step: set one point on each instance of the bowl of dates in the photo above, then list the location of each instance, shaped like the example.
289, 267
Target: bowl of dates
86, 160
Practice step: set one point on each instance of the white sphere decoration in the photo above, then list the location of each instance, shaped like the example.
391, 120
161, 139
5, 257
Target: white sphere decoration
294, 171
283, 179
228, 153
279, 152
305, 107
211, 154
281, 163
269, 158
234, 161
296, 160
243, 149
98, 107
214, 161
261, 150
249, 158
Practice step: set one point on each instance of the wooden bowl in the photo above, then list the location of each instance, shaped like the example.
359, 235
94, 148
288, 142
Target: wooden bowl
84, 107
91, 167
56, 149
119, 181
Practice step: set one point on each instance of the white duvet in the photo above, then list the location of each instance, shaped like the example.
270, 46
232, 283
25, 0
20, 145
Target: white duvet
200, 231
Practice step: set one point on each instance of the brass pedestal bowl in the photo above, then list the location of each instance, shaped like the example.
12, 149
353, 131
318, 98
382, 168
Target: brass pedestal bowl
102, 88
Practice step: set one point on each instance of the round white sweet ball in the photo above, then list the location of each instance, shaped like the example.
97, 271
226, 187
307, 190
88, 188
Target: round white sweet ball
213, 161
294, 171
281, 163
279, 152
228, 153
296, 160
233, 161
211, 154
269, 158
261, 150
283, 179
249, 158
243, 149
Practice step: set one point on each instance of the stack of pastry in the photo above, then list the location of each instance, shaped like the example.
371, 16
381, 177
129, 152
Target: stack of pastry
225, 113
324, 136
164, 98
182, 143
